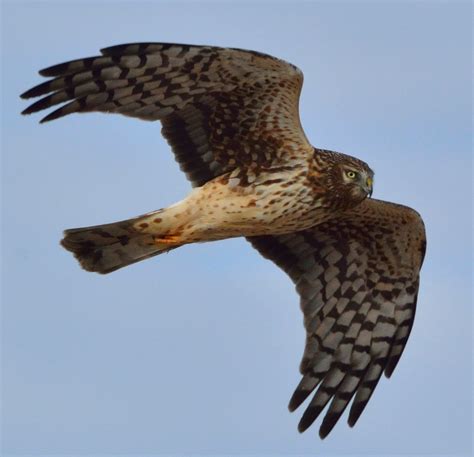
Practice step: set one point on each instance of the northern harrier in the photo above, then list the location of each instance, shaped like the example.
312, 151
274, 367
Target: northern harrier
231, 118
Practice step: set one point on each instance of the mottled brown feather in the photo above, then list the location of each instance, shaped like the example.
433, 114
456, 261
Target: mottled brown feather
221, 108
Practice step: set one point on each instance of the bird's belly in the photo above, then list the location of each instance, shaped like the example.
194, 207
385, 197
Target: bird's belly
225, 213
218, 210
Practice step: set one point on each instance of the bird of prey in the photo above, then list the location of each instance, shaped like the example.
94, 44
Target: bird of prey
231, 118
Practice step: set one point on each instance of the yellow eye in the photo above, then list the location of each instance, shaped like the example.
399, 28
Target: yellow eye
351, 174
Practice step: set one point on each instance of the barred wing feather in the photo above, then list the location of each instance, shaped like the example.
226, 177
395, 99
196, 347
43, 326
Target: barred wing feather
357, 277
220, 108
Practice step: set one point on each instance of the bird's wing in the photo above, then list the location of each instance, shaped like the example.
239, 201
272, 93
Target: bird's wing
357, 277
220, 108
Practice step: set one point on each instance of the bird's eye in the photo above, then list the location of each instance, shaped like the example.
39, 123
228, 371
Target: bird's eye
351, 174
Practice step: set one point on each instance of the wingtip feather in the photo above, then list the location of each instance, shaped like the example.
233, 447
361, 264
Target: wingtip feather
328, 424
298, 397
27, 94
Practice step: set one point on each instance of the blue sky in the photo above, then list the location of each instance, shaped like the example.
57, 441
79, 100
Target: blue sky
197, 352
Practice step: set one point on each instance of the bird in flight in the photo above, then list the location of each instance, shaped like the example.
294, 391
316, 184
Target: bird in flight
231, 118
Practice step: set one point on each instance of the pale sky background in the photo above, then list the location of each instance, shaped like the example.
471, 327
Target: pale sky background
197, 352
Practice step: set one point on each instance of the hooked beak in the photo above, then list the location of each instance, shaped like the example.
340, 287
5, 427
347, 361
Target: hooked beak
369, 186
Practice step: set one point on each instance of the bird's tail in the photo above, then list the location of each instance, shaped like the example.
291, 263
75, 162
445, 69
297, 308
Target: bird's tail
106, 248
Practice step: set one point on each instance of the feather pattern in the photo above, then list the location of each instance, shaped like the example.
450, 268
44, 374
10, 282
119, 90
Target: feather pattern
231, 118
198, 93
357, 277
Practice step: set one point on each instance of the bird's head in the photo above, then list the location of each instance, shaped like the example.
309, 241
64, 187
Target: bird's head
348, 180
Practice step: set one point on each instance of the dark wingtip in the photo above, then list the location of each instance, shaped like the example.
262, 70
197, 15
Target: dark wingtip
298, 397
354, 414
54, 70
27, 94
330, 420
29, 110
309, 416
47, 72
37, 90
116, 49
126, 49
139, 48
47, 118
52, 116
302, 427
391, 365
323, 433
38, 106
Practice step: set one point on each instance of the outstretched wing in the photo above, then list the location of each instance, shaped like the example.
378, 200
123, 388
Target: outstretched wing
357, 277
221, 108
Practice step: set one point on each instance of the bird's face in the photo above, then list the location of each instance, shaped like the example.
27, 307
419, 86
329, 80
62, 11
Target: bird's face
348, 180
358, 181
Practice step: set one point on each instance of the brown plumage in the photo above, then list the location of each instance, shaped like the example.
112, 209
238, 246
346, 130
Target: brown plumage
231, 119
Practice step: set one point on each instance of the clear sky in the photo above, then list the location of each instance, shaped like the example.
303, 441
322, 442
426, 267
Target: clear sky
197, 352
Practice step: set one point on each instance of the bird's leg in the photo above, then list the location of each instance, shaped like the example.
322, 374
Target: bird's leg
172, 240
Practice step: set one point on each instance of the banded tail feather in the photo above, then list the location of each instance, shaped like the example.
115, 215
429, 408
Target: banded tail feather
109, 247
